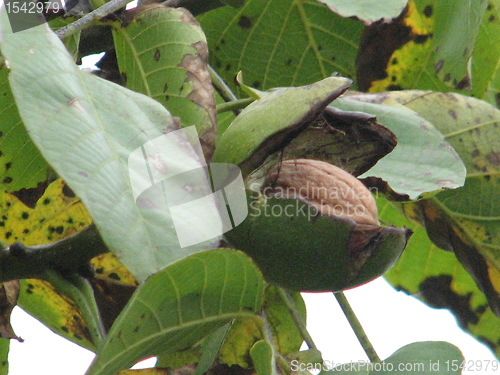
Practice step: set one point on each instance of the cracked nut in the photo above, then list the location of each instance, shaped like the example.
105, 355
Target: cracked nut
330, 189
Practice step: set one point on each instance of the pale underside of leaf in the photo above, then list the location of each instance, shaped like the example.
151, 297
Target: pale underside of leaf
87, 128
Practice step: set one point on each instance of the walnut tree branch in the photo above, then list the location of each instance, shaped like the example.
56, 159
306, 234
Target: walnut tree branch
19, 261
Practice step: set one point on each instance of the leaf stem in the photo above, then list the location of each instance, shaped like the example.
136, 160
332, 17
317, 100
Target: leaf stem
100, 12
79, 290
356, 327
297, 317
234, 105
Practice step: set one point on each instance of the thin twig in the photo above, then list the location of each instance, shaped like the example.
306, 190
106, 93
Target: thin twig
298, 319
221, 86
101, 12
234, 105
356, 327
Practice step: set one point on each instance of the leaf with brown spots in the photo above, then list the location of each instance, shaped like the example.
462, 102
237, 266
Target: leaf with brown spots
437, 278
435, 45
113, 285
54, 217
281, 43
21, 164
456, 26
164, 54
465, 220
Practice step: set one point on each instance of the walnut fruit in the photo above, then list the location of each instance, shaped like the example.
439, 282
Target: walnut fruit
314, 227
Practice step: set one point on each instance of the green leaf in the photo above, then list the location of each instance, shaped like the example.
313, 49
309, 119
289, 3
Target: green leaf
465, 220
472, 127
486, 57
21, 164
163, 54
210, 349
368, 11
456, 26
286, 336
409, 60
4, 356
424, 358
421, 162
262, 354
281, 43
437, 278
244, 333
87, 128
266, 124
180, 305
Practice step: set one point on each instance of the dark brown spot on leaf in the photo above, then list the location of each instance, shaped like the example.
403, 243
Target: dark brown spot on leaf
157, 55
66, 190
288, 62
428, 11
452, 113
439, 65
374, 55
7, 180
494, 157
25, 215
8, 165
218, 63
464, 84
245, 22
447, 77
165, 87
256, 84
29, 197
421, 39
438, 293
